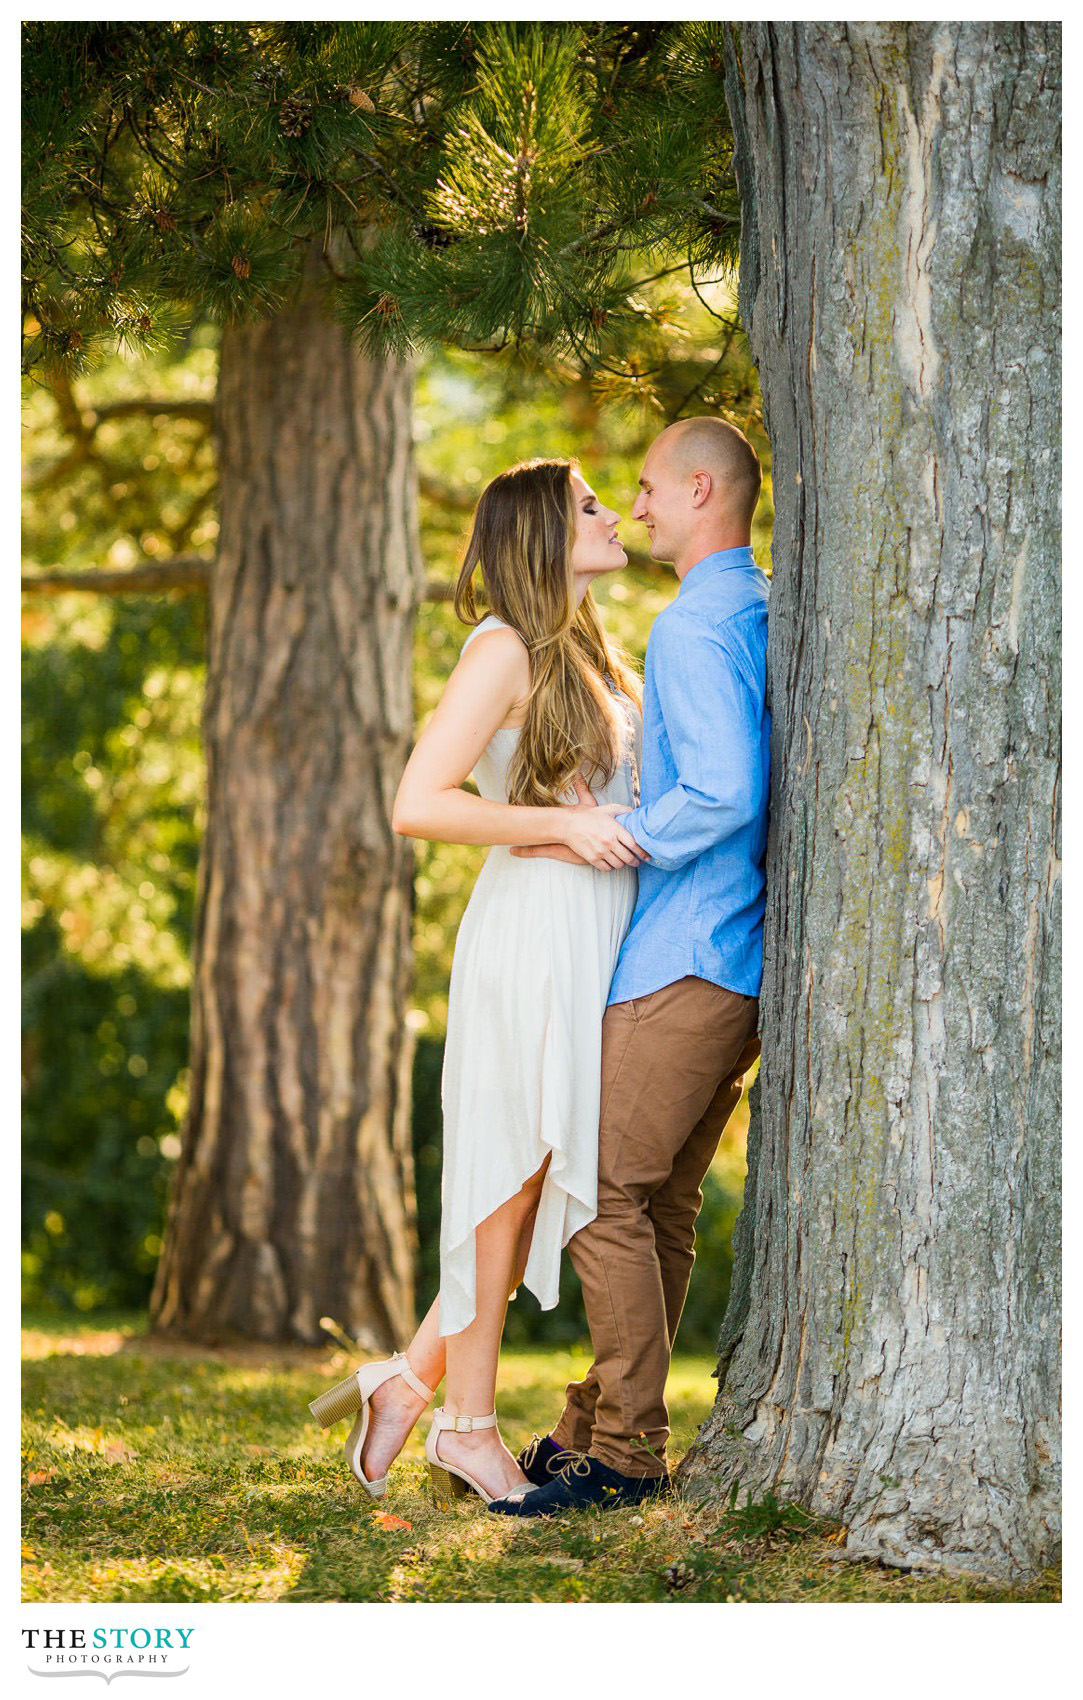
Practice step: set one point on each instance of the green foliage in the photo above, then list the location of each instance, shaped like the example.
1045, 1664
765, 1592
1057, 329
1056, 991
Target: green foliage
113, 783
508, 184
766, 1516
103, 1063
122, 468
113, 773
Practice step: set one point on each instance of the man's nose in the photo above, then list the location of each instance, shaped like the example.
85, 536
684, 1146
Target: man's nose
639, 507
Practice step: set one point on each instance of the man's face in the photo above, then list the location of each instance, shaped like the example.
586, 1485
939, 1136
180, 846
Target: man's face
664, 503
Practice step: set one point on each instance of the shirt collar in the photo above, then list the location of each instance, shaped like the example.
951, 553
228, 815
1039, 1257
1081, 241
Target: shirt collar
717, 562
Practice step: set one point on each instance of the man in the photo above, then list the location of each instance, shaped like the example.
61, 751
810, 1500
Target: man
680, 1029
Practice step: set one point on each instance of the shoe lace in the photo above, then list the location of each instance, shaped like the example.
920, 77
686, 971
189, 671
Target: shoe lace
531, 1451
578, 1464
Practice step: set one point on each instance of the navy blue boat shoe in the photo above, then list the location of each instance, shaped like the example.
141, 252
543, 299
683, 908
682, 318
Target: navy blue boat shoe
583, 1482
542, 1460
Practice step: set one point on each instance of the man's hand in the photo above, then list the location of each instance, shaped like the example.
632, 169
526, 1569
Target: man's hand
555, 853
620, 850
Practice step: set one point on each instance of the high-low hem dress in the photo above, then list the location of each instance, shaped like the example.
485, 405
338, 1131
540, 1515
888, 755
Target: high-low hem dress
534, 957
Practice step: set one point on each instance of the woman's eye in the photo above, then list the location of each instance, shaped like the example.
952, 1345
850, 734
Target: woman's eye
590, 510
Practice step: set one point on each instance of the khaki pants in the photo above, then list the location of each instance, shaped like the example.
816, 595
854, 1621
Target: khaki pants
672, 1064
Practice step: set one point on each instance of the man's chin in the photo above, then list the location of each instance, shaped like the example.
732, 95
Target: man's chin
659, 552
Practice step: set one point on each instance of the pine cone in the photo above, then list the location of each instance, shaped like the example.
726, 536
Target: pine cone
242, 266
294, 115
359, 98
434, 236
268, 72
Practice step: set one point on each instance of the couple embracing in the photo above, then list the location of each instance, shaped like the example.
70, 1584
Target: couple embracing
603, 1005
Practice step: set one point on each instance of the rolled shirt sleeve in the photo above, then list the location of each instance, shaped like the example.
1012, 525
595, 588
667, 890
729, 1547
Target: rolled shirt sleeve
711, 706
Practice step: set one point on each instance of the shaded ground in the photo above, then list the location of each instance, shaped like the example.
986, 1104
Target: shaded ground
154, 1471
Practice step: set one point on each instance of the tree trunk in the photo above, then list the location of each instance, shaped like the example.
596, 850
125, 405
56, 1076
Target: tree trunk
294, 1192
890, 1353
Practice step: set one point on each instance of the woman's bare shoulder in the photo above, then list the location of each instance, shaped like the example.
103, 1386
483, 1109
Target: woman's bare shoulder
497, 646
497, 660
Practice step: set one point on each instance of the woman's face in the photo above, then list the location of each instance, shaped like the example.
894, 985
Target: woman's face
596, 548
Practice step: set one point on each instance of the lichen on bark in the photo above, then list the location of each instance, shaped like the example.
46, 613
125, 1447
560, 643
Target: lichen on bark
891, 1352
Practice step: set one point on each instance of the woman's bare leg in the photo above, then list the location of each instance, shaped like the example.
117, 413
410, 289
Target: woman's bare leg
473, 1353
395, 1409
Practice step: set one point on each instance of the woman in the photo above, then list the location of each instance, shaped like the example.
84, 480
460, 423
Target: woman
541, 703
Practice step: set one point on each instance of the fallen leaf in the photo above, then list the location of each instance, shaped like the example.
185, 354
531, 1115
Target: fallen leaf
38, 1478
385, 1520
118, 1453
29, 1555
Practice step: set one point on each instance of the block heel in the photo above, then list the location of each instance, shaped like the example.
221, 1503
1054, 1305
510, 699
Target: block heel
446, 1488
338, 1402
448, 1481
351, 1398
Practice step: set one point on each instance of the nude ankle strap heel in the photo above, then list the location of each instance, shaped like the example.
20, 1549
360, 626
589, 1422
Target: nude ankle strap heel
354, 1394
449, 1482
349, 1395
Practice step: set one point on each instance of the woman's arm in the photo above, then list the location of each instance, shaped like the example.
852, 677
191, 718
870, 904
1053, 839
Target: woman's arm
491, 680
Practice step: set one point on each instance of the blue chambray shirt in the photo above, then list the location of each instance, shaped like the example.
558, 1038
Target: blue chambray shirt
703, 787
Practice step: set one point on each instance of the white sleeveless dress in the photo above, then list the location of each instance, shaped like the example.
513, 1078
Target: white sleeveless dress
535, 953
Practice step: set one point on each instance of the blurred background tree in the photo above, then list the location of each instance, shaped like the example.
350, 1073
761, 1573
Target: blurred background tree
566, 220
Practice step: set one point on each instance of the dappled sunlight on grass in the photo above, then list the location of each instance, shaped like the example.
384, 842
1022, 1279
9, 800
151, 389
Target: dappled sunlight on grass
153, 1476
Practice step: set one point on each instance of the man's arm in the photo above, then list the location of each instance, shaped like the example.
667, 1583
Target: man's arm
710, 691
564, 852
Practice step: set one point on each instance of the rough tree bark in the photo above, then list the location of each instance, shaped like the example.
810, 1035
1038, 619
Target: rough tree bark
890, 1353
294, 1191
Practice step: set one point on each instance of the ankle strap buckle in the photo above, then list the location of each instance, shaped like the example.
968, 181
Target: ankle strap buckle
463, 1425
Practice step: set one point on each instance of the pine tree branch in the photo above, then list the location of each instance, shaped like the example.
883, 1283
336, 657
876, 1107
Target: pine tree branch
81, 425
721, 317
666, 271
698, 387
72, 416
445, 496
183, 574
591, 237
202, 412
181, 533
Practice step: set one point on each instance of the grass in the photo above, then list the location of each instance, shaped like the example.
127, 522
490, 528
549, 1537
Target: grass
157, 1472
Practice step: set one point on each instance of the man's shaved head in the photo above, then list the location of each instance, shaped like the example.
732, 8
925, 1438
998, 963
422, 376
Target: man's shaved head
723, 452
698, 491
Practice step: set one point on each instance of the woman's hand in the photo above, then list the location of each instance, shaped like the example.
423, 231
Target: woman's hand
591, 832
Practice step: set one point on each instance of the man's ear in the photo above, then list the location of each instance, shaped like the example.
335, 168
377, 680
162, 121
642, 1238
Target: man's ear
701, 488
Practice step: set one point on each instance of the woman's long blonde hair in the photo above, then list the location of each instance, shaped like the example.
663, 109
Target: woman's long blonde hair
524, 530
